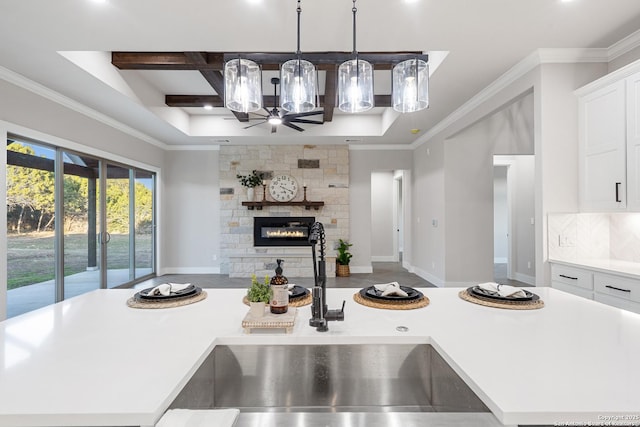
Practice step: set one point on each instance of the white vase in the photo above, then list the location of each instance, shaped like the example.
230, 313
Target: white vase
256, 309
251, 194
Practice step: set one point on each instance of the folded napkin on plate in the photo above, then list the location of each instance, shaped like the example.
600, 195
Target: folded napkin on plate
198, 418
502, 290
167, 288
392, 288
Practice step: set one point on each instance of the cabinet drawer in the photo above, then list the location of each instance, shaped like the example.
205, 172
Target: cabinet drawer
572, 276
624, 304
581, 292
619, 287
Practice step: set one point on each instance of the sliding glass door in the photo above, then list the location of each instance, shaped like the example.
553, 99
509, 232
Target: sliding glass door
81, 184
75, 223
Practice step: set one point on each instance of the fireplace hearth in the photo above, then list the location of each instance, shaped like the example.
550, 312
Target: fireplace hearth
282, 231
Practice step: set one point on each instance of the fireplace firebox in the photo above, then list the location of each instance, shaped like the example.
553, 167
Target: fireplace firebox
282, 230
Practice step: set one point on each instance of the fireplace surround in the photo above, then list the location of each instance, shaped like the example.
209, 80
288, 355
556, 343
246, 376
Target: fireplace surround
282, 230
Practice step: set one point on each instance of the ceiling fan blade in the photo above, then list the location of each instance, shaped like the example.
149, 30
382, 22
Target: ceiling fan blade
311, 122
247, 127
289, 125
274, 128
308, 113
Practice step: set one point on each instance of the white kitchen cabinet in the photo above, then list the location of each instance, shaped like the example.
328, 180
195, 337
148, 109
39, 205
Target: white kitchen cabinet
611, 289
576, 281
633, 142
602, 149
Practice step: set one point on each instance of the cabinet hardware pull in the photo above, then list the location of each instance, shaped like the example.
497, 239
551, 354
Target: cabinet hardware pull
617, 289
568, 277
618, 184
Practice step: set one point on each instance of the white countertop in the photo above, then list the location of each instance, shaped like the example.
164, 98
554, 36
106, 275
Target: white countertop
92, 360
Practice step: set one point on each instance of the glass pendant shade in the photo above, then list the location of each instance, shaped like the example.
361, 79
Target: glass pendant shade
355, 86
410, 86
298, 86
242, 86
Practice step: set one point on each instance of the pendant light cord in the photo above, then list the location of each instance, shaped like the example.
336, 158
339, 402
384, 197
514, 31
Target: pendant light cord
299, 10
354, 10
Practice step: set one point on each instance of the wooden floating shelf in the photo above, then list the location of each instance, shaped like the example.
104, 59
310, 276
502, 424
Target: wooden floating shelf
259, 205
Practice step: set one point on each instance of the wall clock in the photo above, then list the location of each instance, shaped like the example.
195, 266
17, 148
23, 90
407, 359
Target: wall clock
283, 188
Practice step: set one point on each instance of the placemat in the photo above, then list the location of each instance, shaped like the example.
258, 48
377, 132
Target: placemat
511, 305
133, 303
391, 305
298, 302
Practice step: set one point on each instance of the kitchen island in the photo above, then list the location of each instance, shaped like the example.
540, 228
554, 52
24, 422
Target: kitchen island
91, 360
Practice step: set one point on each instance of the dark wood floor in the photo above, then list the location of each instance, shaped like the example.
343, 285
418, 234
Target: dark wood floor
383, 272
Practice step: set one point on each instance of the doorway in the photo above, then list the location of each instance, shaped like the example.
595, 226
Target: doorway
513, 214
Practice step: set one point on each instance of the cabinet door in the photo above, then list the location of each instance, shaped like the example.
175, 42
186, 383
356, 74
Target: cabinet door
602, 135
633, 142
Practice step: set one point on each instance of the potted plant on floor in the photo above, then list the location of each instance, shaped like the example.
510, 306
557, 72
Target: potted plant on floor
259, 295
343, 258
250, 181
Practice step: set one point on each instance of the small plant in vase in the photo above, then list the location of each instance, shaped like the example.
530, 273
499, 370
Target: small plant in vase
250, 181
259, 295
343, 258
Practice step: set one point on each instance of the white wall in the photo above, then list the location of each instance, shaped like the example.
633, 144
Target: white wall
500, 215
362, 162
554, 125
382, 214
191, 212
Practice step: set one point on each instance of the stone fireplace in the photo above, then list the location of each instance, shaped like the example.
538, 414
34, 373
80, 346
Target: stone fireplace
323, 169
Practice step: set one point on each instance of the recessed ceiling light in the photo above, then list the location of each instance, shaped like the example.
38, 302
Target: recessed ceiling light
208, 107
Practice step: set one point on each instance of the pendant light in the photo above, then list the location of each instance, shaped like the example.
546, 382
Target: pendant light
355, 80
242, 86
298, 81
410, 86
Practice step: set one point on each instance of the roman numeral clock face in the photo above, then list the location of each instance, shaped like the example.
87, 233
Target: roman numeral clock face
283, 188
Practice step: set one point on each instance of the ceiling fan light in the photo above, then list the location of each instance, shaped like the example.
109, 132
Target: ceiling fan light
298, 86
274, 120
355, 86
242, 86
410, 86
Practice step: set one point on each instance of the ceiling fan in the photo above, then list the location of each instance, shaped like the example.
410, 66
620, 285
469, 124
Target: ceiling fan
276, 117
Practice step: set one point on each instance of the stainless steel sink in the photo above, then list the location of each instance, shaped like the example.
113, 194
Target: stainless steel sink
273, 383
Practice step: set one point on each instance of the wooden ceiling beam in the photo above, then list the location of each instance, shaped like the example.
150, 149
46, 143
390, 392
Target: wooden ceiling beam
199, 101
214, 77
268, 61
330, 83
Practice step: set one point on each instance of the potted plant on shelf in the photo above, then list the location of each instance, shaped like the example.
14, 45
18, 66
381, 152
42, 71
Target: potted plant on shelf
343, 258
259, 295
250, 181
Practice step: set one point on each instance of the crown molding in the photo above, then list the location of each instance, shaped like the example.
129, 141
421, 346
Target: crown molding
533, 60
625, 45
193, 147
380, 147
28, 84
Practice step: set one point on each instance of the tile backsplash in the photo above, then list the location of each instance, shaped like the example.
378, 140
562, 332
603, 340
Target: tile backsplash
577, 236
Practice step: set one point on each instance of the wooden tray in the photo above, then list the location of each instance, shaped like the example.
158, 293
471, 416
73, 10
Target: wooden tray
284, 321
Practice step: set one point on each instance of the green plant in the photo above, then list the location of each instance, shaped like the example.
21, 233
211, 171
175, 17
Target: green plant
251, 180
259, 292
344, 256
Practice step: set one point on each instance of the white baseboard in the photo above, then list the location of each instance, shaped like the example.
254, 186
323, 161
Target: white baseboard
529, 280
460, 284
360, 269
500, 260
189, 270
427, 276
386, 258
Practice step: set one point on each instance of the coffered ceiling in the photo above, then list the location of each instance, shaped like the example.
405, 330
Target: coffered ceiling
67, 45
